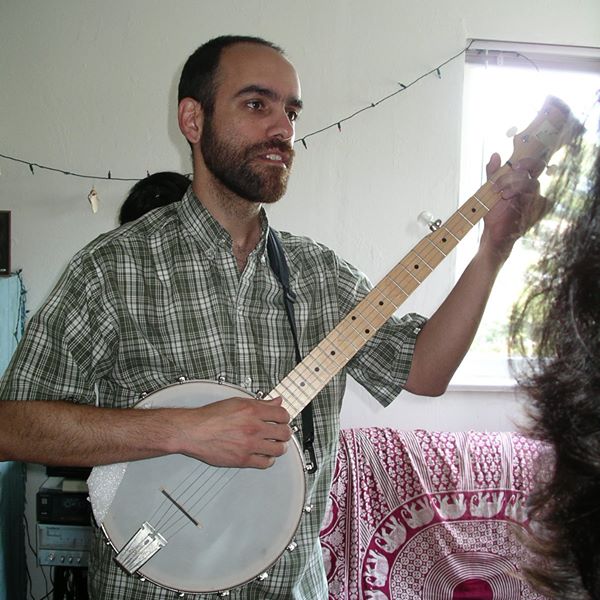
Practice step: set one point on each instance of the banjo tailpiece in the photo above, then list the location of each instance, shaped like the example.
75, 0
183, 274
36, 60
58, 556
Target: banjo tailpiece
144, 544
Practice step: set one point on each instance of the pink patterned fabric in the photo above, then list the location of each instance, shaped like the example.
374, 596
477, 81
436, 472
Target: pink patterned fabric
428, 515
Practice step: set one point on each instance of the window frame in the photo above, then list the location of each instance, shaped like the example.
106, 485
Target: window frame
480, 371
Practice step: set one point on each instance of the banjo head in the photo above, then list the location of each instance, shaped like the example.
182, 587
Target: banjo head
223, 526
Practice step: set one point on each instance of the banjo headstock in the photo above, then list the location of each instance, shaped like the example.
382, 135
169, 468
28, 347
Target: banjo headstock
553, 127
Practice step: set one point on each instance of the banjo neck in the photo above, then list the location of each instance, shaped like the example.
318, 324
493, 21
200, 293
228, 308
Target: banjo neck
332, 354
550, 129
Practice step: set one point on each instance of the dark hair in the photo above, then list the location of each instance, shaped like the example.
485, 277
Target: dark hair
151, 192
558, 322
198, 79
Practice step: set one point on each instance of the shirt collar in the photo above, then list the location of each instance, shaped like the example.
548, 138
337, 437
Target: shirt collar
207, 231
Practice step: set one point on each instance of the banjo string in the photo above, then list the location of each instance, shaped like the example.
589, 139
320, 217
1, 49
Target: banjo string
164, 505
191, 492
224, 481
165, 510
178, 508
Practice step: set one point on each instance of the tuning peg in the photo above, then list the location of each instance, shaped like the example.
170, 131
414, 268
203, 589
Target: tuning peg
427, 220
551, 170
511, 132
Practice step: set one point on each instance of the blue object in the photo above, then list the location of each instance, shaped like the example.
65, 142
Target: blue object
12, 474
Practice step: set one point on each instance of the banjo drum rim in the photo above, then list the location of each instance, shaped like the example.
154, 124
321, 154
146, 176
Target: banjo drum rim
241, 392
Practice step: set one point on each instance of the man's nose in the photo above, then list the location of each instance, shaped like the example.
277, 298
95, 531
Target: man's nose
282, 127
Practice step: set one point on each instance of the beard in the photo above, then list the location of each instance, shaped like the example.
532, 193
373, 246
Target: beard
234, 167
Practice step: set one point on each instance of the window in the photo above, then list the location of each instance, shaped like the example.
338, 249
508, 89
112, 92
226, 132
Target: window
505, 85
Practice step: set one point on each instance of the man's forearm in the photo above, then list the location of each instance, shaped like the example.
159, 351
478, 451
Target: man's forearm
72, 434
448, 334
235, 432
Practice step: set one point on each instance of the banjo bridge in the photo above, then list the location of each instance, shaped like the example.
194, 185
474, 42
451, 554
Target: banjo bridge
144, 544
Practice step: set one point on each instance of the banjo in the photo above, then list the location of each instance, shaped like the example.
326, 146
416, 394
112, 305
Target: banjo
193, 528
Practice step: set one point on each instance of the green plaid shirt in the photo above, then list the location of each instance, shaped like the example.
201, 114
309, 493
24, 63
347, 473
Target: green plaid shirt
162, 298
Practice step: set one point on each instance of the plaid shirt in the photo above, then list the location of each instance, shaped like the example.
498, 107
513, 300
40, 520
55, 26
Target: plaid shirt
162, 298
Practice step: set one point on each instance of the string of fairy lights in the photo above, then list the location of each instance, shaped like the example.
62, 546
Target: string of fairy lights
337, 124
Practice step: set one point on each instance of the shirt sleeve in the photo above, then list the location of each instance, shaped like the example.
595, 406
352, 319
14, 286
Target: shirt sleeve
383, 364
67, 343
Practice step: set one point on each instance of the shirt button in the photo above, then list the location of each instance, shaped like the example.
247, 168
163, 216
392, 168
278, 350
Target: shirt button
210, 254
248, 381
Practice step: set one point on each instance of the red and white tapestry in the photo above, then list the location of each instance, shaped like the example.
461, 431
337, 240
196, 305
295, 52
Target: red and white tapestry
428, 515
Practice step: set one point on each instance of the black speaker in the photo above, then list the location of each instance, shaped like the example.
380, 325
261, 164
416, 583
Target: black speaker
4, 242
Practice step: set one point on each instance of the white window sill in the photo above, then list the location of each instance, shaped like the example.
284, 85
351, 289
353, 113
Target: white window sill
483, 384
480, 373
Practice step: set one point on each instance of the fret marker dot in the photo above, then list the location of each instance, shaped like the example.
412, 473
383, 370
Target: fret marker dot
473, 210
367, 331
333, 353
381, 303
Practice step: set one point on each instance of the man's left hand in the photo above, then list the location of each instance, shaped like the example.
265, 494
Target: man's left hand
520, 205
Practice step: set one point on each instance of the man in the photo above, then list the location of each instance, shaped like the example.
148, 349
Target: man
187, 291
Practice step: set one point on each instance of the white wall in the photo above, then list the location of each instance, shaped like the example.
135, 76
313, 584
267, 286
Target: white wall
90, 86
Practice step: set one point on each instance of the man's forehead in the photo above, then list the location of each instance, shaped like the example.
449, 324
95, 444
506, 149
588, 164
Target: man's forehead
247, 64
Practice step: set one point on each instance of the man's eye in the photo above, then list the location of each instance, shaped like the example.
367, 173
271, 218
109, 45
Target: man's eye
254, 104
293, 115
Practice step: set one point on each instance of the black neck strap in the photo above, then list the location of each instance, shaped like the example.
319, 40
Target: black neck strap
280, 268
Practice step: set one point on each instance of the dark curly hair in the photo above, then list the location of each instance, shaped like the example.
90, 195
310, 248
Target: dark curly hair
557, 324
152, 192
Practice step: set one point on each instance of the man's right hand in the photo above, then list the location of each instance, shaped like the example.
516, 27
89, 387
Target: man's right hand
236, 432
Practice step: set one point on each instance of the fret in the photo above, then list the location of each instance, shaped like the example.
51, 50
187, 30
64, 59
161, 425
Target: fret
345, 340
380, 305
294, 399
471, 211
315, 372
475, 197
459, 225
429, 253
444, 238
302, 384
440, 252
402, 279
406, 282
423, 259
417, 268
392, 292
462, 221
365, 318
318, 368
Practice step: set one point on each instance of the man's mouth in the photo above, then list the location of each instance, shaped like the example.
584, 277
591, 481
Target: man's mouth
276, 154
274, 157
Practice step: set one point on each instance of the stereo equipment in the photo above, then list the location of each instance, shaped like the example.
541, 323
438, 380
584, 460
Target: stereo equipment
56, 506
63, 545
63, 524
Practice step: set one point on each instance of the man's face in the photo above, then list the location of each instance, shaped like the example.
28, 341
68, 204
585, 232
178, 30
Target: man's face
247, 143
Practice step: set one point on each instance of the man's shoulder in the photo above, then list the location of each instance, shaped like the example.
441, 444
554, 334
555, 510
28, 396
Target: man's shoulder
300, 245
316, 256
136, 236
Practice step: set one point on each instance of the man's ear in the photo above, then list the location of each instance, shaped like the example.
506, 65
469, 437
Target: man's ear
191, 117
